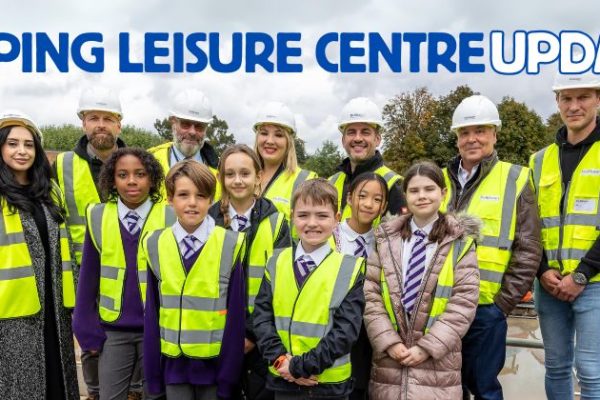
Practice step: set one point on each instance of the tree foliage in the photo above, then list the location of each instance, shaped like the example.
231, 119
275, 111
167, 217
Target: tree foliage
325, 160
301, 154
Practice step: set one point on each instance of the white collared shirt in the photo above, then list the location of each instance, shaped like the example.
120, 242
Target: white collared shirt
234, 221
317, 256
407, 246
142, 211
465, 176
347, 239
177, 156
201, 233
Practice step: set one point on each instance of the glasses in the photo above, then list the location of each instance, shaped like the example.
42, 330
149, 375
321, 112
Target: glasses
187, 124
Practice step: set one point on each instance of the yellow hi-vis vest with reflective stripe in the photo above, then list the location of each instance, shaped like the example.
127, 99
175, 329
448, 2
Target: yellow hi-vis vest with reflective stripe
568, 235
18, 289
280, 191
443, 290
339, 178
193, 305
494, 201
260, 251
103, 226
162, 153
303, 315
79, 190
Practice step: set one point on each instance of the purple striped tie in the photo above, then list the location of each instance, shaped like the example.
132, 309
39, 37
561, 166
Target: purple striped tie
132, 218
361, 247
242, 222
414, 272
189, 245
302, 267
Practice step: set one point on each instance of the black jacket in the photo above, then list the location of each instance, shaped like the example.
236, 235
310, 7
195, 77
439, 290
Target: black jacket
347, 321
570, 155
396, 201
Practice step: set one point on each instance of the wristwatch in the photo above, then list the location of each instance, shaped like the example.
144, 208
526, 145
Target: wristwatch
579, 278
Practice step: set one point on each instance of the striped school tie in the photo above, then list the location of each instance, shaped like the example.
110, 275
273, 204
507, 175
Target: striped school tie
414, 272
305, 265
189, 245
361, 247
242, 222
131, 219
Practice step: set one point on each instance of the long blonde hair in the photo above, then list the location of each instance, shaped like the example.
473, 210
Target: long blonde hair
290, 161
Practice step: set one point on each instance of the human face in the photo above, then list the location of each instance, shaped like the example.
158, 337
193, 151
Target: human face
18, 152
101, 129
131, 181
423, 197
578, 108
367, 202
189, 135
314, 223
360, 141
475, 143
240, 177
272, 143
189, 204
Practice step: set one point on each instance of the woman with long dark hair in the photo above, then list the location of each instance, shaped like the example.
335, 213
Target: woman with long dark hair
37, 286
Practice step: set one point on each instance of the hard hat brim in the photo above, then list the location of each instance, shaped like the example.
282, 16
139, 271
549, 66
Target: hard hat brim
375, 124
25, 123
493, 122
190, 117
558, 88
276, 123
81, 112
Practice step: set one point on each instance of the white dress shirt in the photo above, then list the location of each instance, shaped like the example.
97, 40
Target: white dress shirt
465, 176
316, 256
346, 239
201, 233
142, 211
407, 246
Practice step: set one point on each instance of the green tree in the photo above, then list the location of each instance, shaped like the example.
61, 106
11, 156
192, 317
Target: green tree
301, 154
553, 124
325, 160
218, 136
61, 137
139, 137
163, 128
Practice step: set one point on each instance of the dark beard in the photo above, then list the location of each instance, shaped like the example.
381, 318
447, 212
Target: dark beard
103, 142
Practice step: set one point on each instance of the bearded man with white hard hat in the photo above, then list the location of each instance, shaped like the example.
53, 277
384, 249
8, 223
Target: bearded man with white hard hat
509, 250
566, 178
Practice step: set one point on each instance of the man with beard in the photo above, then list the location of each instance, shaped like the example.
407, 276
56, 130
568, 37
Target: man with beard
77, 175
189, 118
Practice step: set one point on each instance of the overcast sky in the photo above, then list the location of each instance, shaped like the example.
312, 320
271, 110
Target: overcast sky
315, 96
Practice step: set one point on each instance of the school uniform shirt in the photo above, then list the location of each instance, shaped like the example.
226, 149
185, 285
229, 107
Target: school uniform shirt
235, 223
142, 211
317, 256
223, 371
346, 239
407, 246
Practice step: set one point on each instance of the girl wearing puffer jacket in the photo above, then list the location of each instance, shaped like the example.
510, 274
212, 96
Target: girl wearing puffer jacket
422, 290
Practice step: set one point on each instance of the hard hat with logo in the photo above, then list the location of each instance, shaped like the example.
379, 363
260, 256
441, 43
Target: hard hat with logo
476, 110
587, 80
18, 118
275, 113
360, 109
99, 99
192, 105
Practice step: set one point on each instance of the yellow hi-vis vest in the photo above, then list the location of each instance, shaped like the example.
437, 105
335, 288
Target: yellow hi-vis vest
280, 191
339, 178
260, 251
18, 289
193, 305
568, 235
79, 190
443, 290
494, 201
303, 316
162, 153
103, 226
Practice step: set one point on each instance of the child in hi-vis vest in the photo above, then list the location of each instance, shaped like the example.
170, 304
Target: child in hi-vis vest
109, 316
308, 311
422, 291
195, 306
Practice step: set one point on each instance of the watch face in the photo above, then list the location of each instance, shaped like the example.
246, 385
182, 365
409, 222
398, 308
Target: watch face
579, 278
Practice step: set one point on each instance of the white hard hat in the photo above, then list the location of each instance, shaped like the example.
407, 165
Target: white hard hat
15, 117
360, 109
192, 105
275, 113
99, 99
587, 80
476, 110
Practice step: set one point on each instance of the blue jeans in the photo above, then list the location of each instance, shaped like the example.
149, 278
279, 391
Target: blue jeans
561, 322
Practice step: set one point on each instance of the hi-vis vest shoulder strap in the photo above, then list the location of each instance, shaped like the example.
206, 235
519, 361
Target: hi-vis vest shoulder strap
281, 190
302, 322
162, 153
103, 226
495, 202
443, 290
260, 251
567, 234
79, 190
18, 289
193, 305
339, 178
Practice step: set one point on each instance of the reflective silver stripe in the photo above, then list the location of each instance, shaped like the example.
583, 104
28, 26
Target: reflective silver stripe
16, 273
457, 248
170, 301
492, 241
256, 271
204, 337
97, 212
272, 266
152, 248
9, 238
68, 176
299, 179
227, 262
282, 323
142, 276
273, 222
431, 321
67, 266
388, 176
490, 276
308, 329
107, 302
109, 272
550, 222
583, 220
508, 206
538, 159
170, 217
566, 254
341, 361
251, 300
443, 291
342, 282
169, 335
333, 178
203, 303
77, 247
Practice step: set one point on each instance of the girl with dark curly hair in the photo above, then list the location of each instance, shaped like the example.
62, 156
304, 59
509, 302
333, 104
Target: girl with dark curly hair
109, 316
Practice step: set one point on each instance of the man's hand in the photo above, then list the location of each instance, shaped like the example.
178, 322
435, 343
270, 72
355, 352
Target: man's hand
550, 280
568, 290
248, 346
416, 355
397, 351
